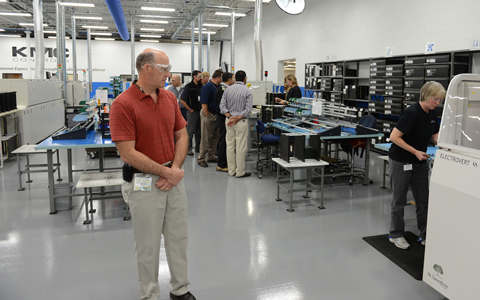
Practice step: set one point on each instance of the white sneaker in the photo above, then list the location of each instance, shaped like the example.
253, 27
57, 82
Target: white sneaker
421, 241
400, 242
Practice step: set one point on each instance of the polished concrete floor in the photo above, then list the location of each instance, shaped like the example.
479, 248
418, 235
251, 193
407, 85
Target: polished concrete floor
243, 244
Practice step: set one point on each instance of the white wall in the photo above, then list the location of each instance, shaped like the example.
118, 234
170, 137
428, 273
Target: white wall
109, 58
353, 29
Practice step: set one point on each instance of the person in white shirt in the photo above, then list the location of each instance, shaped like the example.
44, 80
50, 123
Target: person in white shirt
176, 88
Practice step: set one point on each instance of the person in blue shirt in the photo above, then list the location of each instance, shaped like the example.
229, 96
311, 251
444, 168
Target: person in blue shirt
208, 120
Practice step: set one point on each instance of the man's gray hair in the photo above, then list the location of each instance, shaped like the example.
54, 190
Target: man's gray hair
144, 58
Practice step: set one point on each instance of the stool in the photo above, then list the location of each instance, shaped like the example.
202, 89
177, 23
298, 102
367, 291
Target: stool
100, 179
29, 150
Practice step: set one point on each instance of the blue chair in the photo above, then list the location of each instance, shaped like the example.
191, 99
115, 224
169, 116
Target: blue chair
351, 146
267, 142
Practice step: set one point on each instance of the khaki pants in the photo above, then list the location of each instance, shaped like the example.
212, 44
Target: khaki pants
155, 213
237, 147
210, 135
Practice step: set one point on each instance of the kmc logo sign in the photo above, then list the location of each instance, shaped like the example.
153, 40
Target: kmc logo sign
21, 54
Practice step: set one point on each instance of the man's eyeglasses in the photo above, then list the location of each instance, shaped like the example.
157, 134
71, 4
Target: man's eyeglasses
199, 76
160, 67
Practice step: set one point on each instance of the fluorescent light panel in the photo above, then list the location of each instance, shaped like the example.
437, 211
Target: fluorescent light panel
196, 43
54, 37
206, 32
101, 33
8, 13
154, 21
152, 29
49, 31
77, 4
88, 18
158, 9
95, 27
215, 25
150, 36
30, 24
264, 1
230, 14
10, 35
104, 39
149, 41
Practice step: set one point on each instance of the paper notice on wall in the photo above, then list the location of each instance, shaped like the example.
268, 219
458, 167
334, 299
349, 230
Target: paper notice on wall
102, 96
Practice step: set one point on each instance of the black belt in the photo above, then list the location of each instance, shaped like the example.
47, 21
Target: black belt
167, 164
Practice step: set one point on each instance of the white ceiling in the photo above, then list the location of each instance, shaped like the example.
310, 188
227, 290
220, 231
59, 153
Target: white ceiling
177, 29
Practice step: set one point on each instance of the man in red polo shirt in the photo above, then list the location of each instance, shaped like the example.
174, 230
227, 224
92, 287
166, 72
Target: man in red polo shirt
149, 132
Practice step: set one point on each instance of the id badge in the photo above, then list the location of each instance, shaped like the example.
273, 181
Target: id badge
408, 167
142, 183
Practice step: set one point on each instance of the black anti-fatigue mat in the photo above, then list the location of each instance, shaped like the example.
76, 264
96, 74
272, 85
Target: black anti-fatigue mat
410, 260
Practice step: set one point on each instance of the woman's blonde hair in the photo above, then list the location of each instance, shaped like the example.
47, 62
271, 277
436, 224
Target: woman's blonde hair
292, 78
432, 89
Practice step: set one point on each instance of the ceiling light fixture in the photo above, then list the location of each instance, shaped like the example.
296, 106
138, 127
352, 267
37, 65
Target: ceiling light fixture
196, 43
30, 24
149, 41
2, 29
49, 31
10, 35
218, 13
104, 39
150, 36
101, 33
154, 21
215, 25
8, 13
88, 18
264, 1
158, 9
94, 27
54, 37
152, 29
206, 32
76, 4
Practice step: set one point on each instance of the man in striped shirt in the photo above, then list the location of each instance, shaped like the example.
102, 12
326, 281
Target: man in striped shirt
236, 105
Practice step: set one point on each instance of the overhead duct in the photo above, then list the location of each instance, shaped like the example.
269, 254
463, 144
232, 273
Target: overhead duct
258, 40
116, 10
190, 18
39, 45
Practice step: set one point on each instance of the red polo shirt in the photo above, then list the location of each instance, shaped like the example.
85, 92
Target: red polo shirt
134, 116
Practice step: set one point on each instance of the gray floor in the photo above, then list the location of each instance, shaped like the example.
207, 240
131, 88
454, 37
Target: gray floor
243, 245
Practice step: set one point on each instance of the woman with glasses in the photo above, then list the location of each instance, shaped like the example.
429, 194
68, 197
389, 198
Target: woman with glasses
417, 126
294, 90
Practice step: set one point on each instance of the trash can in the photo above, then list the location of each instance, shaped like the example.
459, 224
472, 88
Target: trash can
63, 203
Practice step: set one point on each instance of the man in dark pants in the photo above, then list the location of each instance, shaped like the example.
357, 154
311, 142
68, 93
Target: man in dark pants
190, 99
210, 132
228, 80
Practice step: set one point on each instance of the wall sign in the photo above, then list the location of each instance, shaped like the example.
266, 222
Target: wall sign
388, 51
430, 48
475, 44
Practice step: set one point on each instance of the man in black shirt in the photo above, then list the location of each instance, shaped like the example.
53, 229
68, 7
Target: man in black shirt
417, 126
190, 99
228, 80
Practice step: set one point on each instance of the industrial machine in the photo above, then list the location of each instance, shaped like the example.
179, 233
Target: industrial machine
451, 255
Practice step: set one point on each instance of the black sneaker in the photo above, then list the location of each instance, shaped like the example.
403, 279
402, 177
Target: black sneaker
187, 296
190, 153
245, 175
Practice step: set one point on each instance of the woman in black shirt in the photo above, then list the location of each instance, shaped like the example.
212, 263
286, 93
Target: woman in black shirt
293, 92
417, 126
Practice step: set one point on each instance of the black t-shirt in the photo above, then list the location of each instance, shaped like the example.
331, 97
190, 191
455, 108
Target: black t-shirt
417, 127
294, 92
218, 96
